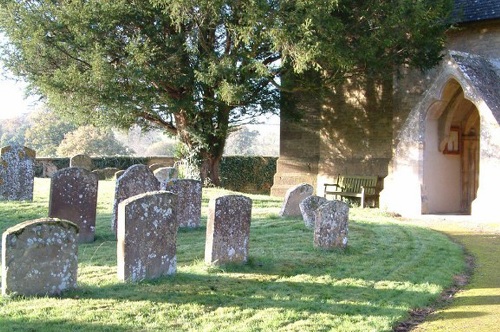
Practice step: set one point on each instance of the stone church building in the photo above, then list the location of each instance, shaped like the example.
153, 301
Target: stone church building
433, 138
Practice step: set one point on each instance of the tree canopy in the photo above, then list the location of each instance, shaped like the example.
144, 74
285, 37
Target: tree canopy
194, 67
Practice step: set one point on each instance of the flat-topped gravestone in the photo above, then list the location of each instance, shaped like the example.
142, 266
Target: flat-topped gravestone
136, 180
73, 197
307, 208
188, 199
39, 257
293, 197
17, 173
331, 228
228, 230
82, 161
165, 175
147, 236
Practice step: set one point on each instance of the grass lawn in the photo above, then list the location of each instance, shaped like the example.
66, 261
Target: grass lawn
287, 285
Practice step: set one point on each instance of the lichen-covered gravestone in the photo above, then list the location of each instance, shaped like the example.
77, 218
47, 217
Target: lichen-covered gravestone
73, 197
82, 161
136, 180
331, 228
228, 229
39, 257
189, 201
147, 236
17, 173
293, 197
165, 175
307, 208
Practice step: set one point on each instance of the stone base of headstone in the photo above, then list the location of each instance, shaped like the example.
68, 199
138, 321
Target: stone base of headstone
39, 257
331, 227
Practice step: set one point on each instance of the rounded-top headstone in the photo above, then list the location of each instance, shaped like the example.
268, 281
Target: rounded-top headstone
293, 197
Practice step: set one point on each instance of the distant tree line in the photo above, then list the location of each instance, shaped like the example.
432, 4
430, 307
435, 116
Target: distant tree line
52, 136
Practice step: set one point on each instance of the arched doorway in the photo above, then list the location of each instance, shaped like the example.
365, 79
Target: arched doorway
451, 153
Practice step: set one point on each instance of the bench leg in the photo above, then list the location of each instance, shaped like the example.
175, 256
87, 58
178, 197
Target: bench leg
363, 198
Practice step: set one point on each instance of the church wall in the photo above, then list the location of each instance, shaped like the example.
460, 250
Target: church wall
356, 135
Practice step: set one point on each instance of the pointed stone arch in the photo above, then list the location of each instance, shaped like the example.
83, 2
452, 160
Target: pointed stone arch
451, 152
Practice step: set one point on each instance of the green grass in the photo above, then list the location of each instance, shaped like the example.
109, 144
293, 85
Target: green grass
287, 285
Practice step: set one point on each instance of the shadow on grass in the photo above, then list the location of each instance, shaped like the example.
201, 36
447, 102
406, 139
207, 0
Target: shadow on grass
224, 291
59, 325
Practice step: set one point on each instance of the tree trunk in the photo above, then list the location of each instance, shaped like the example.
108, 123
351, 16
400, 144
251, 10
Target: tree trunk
210, 170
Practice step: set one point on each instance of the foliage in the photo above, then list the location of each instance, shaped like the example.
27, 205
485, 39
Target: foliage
387, 270
12, 131
46, 132
120, 162
92, 141
194, 67
161, 148
248, 174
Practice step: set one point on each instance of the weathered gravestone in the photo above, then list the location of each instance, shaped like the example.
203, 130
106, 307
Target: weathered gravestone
228, 229
331, 228
136, 180
307, 208
17, 173
82, 161
147, 236
73, 197
188, 201
293, 197
39, 257
165, 175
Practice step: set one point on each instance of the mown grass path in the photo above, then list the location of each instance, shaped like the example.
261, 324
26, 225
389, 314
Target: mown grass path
477, 306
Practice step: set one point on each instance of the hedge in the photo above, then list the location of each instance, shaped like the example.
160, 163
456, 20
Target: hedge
243, 174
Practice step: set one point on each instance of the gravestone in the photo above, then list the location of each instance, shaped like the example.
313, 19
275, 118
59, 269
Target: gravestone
73, 197
155, 166
119, 173
39, 257
228, 230
188, 199
147, 236
307, 208
165, 175
17, 173
82, 161
331, 228
293, 197
137, 179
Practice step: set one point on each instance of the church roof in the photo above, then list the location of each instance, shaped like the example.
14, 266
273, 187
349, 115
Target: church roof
476, 10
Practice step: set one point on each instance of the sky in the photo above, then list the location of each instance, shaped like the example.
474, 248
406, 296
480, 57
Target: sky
12, 101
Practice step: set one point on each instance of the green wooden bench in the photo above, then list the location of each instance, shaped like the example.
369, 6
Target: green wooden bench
352, 186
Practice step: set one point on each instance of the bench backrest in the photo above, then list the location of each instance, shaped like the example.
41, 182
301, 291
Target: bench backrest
354, 183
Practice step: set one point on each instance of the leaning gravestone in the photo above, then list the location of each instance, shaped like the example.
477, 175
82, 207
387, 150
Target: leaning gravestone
17, 173
82, 161
331, 226
189, 201
293, 197
39, 257
307, 208
147, 236
165, 175
73, 197
228, 230
136, 180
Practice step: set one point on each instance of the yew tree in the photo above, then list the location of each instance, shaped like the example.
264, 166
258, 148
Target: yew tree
195, 67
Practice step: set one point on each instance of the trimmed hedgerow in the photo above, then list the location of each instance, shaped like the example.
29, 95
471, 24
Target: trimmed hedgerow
248, 174
238, 173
